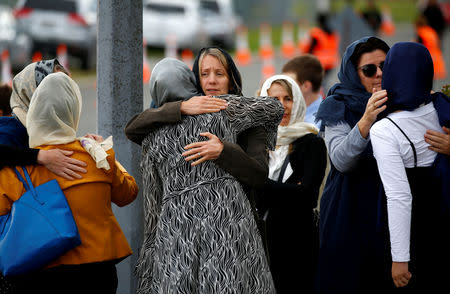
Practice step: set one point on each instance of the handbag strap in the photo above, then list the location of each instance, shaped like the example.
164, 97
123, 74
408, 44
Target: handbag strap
410, 143
28, 184
283, 169
25, 184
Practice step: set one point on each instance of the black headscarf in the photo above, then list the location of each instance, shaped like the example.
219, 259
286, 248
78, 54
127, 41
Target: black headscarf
408, 78
233, 73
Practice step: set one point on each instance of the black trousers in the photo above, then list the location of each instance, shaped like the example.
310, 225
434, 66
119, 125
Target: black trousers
98, 277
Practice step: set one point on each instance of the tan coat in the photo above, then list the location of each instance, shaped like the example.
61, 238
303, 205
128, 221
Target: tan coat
90, 200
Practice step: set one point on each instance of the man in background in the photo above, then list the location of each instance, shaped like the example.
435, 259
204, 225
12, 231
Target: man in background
308, 72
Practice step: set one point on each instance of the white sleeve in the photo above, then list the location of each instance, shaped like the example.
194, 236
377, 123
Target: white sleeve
396, 186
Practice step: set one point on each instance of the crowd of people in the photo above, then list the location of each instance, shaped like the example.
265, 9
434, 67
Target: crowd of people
284, 192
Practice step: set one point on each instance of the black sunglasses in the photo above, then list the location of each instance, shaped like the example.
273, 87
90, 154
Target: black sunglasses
369, 70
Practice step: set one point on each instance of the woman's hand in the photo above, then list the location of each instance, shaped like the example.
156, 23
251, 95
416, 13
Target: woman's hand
59, 162
95, 137
202, 104
439, 142
373, 108
400, 274
205, 150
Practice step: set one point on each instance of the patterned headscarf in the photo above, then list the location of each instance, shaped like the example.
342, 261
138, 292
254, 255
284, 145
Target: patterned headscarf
25, 83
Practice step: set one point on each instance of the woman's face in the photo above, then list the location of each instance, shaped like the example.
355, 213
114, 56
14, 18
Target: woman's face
214, 78
279, 92
367, 60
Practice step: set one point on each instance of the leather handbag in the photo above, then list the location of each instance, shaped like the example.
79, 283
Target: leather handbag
39, 228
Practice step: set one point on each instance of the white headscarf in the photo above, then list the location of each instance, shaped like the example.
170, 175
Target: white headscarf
54, 114
297, 127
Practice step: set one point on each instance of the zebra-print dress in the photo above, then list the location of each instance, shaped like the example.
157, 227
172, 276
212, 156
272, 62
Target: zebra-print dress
200, 235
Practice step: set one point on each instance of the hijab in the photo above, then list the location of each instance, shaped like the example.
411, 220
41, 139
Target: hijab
54, 114
171, 80
54, 111
407, 76
346, 101
296, 127
233, 73
409, 83
24, 84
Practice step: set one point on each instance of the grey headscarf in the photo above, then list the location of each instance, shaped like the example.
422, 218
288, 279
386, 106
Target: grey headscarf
171, 80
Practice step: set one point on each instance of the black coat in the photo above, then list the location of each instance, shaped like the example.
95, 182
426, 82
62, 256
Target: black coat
288, 209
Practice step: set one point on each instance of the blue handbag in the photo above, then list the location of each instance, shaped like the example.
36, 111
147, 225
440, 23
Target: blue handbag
39, 228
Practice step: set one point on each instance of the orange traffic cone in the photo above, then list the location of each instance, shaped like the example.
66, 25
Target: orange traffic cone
287, 40
268, 68
171, 46
61, 55
265, 42
387, 25
37, 56
303, 38
187, 56
243, 56
6, 68
146, 67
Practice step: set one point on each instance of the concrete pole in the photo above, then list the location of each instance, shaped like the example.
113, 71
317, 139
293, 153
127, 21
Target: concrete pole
120, 95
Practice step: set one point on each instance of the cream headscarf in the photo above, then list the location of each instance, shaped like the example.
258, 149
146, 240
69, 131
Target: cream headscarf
24, 84
297, 127
54, 114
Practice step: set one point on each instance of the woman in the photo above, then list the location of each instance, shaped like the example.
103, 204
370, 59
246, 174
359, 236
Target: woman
13, 136
296, 171
418, 209
215, 74
200, 235
354, 240
52, 120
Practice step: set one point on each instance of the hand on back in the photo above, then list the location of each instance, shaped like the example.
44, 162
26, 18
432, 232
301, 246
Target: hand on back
202, 104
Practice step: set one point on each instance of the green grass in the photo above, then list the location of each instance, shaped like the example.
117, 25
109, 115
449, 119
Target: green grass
402, 11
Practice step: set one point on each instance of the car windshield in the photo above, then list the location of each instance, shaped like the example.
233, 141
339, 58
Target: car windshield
209, 6
61, 5
167, 9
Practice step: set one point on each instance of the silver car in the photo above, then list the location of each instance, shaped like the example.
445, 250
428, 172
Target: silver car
50, 23
177, 21
189, 23
220, 22
17, 44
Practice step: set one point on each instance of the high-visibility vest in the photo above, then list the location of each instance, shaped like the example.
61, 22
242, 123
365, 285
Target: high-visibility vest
326, 48
431, 40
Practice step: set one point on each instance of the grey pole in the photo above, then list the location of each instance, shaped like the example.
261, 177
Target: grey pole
120, 95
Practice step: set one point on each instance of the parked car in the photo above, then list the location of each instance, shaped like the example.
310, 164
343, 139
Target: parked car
192, 23
50, 23
220, 22
173, 20
17, 44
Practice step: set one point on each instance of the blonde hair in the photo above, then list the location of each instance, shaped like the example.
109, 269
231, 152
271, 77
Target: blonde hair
285, 85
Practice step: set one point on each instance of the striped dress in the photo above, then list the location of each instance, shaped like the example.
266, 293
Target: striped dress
200, 235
